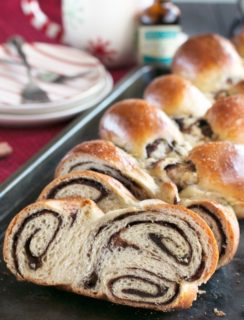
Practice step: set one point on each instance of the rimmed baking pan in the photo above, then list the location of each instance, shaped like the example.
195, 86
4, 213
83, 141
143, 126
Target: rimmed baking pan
21, 300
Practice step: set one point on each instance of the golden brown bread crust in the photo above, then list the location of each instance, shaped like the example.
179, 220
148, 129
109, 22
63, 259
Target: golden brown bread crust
209, 61
238, 42
124, 164
219, 167
226, 118
229, 223
104, 150
132, 124
176, 96
238, 88
186, 296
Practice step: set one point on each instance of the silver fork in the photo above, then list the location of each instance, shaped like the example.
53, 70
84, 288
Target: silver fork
50, 76
31, 92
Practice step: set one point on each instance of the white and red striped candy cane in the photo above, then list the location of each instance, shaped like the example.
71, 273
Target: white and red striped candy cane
40, 20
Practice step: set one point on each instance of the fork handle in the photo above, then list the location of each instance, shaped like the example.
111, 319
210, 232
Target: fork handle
18, 42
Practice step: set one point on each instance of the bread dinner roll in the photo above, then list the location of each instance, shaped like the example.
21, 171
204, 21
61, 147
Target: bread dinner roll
223, 121
210, 62
238, 42
151, 257
176, 96
226, 119
212, 171
237, 88
141, 129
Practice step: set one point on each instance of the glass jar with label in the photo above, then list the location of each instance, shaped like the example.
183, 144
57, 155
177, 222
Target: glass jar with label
159, 32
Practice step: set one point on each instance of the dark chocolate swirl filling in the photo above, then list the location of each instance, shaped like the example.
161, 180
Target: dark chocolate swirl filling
221, 232
180, 122
34, 262
103, 192
169, 146
151, 147
201, 123
205, 128
157, 239
132, 186
176, 171
118, 243
140, 294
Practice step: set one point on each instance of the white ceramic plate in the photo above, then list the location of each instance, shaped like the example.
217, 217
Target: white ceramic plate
55, 58
46, 118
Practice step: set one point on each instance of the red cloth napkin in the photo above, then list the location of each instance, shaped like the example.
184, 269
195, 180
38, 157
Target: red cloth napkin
26, 142
13, 21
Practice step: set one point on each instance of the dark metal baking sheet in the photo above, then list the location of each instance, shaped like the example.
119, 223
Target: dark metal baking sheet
20, 300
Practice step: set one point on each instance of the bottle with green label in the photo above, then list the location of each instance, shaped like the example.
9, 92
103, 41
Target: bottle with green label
159, 32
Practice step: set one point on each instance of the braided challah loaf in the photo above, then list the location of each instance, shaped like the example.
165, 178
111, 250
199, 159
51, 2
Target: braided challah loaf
90, 233
154, 256
109, 195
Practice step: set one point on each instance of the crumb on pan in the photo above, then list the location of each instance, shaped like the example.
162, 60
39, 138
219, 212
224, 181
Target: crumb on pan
5, 149
219, 313
202, 292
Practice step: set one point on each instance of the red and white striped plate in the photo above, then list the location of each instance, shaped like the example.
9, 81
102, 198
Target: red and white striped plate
55, 58
51, 117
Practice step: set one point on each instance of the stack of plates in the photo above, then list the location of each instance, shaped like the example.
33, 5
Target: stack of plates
68, 98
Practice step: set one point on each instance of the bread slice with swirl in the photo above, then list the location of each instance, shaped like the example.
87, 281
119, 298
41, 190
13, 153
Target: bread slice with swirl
223, 223
104, 157
154, 256
107, 192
